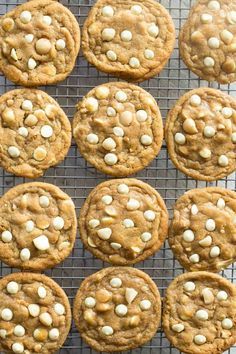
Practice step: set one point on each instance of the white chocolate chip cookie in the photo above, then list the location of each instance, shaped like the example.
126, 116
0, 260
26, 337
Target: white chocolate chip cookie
132, 39
123, 221
117, 308
201, 134
118, 128
37, 226
35, 133
39, 43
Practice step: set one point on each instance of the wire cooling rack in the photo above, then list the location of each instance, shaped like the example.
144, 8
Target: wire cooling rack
77, 178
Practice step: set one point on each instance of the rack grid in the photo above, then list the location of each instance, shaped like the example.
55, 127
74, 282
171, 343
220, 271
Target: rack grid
77, 178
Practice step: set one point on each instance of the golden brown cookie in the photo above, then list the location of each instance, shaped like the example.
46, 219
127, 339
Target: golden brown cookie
207, 40
201, 134
132, 39
37, 226
123, 221
35, 133
35, 315
118, 128
200, 313
202, 233
39, 43
117, 308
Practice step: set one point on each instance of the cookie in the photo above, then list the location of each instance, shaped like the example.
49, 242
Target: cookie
123, 221
199, 314
202, 233
201, 134
39, 43
35, 133
37, 226
118, 128
117, 308
207, 40
132, 39
35, 315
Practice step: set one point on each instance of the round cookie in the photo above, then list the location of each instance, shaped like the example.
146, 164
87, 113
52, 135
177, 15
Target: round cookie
123, 221
207, 41
37, 226
35, 133
118, 128
202, 233
39, 43
201, 134
35, 315
117, 308
132, 39
199, 314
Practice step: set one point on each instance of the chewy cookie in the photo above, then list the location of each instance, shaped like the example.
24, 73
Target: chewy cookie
35, 133
117, 308
207, 40
203, 229
118, 128
132, 39
37, 226
200, 313
35, 315
201, 134
123, 221
39, 43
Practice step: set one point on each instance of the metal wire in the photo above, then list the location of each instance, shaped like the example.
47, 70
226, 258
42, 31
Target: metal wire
77, 178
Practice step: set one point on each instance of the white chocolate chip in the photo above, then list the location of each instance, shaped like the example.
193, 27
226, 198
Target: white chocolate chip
146, 236
141, 115
194, 258
25, 17
59, 309
206, 241
226, 36
12, 287
91, 104
206, 18
90, 302
202, 315
136, 9
58, 223
194, 209
19, 331
126, 36
132, 204
145, 305
3, 333
214, 252
104, 233
46, 319
179, 327
23, 132
60, 44
91, 243
146, 140
134, 63
34, 310
222, 295
189, 126
14, 54
111, 55
121, 310
107, 330
209, 131
31, 120
18, 347
43, 46
227, 323
110, 159
231, 17
116, 282
6, 314
136, 249
111, 112
208, 296
123, 188
93, 223
233, 137
115, 246
188, 235
199, 339
6, 236
214, 5
121, 96
128, 223
54, 334
108, 34
29, 226
41, 243
92, 138
39, 153
227, 112
46, 131
209, 62
126, 118
47, 20
220, 203
149, 215
25, 254
180, 138
210, 225
118, 131
109, 144
153, 30
42, 292
107, 199
213, 43
223, 160
102, 92
205, 153
195, 100
107, 11
44, 201
31, 64
149, 54
27, 105
130, 295
13, 151
29, 38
